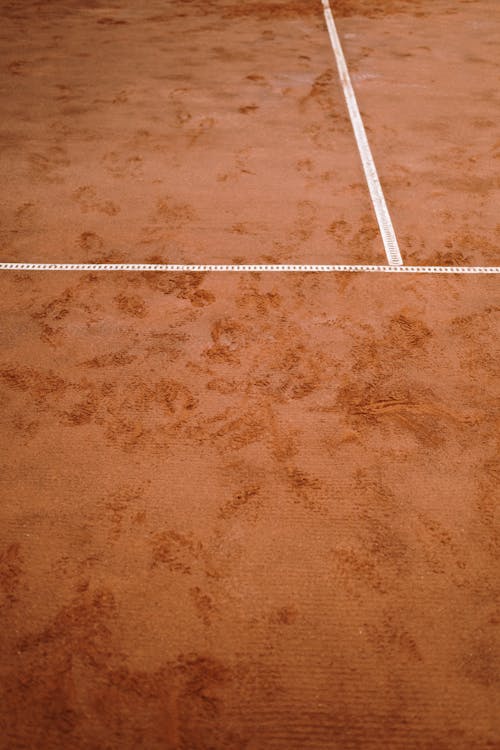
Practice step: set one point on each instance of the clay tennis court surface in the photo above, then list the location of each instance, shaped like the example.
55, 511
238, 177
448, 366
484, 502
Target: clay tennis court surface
248, 510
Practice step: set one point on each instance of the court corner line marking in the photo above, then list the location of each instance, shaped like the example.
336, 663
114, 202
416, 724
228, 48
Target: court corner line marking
389, 238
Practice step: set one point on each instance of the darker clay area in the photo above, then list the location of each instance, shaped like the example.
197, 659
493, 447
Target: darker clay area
249, 511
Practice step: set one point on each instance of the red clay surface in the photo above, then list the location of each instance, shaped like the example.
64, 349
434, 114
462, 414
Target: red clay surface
196, 132
249, 511
203, 132
243, 511
427, 84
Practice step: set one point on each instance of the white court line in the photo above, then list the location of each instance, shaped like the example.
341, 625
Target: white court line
377, 195
242, 268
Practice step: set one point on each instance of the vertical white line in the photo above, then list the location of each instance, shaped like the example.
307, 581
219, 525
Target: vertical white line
377, 195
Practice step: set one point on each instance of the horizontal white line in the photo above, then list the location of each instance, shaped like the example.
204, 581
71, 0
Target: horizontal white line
254, 267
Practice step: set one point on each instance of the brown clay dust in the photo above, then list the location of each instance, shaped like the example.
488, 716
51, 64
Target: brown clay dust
245, 511
249, 511
185, 130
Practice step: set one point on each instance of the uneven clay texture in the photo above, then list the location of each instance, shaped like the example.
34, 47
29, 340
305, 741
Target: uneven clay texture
249, 511
216, 131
